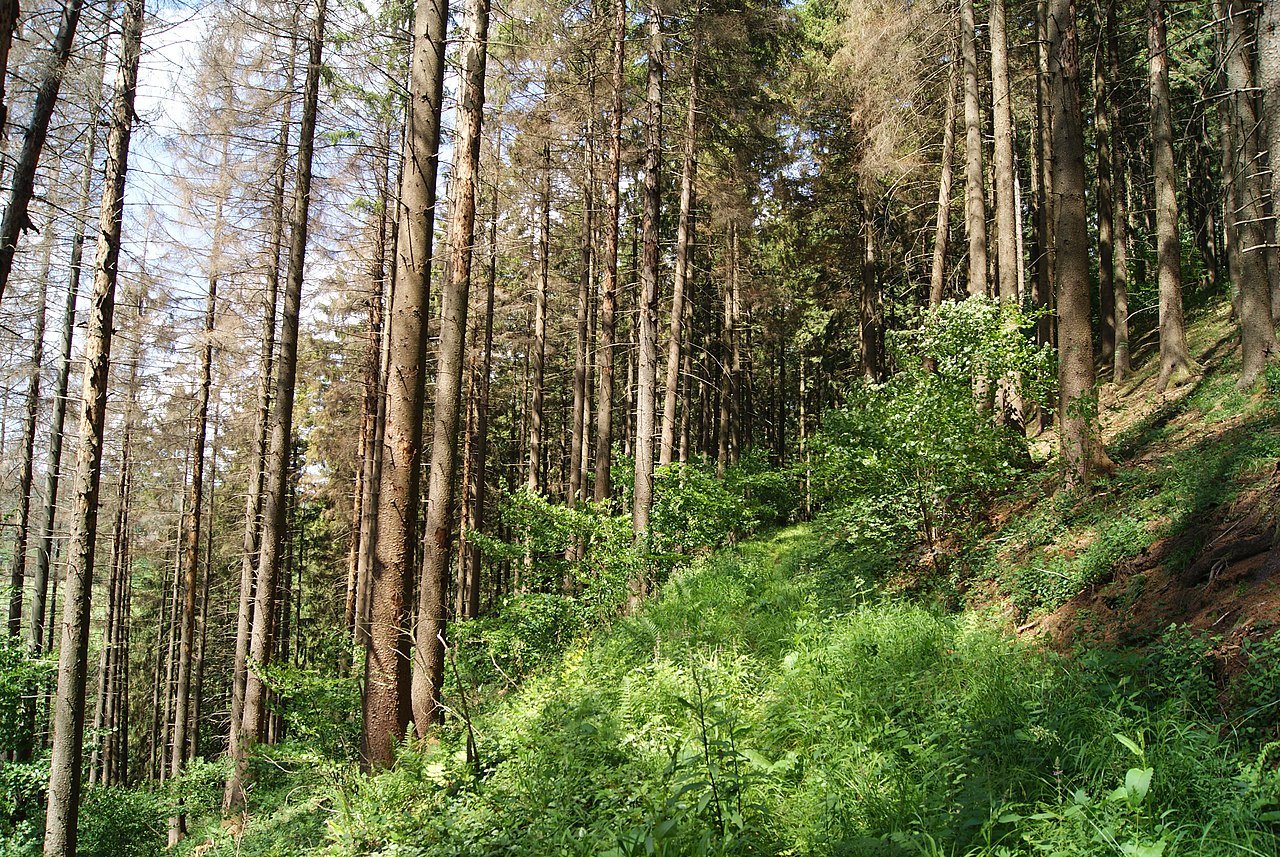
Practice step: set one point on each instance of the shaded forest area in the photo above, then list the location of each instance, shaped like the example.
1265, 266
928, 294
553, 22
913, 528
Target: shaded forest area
638, 428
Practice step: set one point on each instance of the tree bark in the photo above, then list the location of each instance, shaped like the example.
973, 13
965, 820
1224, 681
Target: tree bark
16, 220
942, 224
1268, 41
276, 483
1008, 261
1081, 450
1105, 196
266, 371
975, 206
429, 644
582, 344
1246, 215
68, 719
871, 302
684, 252
388, 675
195, 505
26, 453
538, 349
1119, 209
647, 336
1175, 359
605, 357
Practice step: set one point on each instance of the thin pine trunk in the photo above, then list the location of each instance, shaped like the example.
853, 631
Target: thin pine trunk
605, 357
975, 205
647, 305
68, 744
275, 489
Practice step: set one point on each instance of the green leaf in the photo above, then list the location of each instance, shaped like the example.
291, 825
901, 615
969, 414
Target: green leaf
1128, 742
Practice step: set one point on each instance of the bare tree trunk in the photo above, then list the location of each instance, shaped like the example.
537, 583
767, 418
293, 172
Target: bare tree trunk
480, 448
18, 562
582, 345
1106, 194
538, 353
1008, 262
1268, 41
942, 225
1045, 198
9, 11
1175, 359
276, 483
975, 205
266, 371
387, 700
428, 666
1081, 448
195, 505
16, 219
1246, 215
371, 410
609, 294
684, 252
647, 360
68, 729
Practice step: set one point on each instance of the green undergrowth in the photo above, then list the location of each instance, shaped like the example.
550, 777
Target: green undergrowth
767, 703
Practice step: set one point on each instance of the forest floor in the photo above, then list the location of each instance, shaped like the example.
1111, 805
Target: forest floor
1197, 470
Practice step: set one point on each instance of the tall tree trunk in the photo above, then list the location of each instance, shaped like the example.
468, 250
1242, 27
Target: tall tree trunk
275, 499
1106, 193
1268, 41
1120, 208
371, 409
1175, 359
605, 358
1081, 448
942, 225
195, 505
266, 371
9, 11
975, 206
1043, 298
388, 675
68, 718
1008, 261
18, 562
582, 344
16, 219
538, 349
647, 337
1246, 215
684, 252
428, 666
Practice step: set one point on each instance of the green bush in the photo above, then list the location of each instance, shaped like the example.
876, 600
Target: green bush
117, 822
905, 459
694, 511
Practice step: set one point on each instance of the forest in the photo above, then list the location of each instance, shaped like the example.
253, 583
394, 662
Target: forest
592, 427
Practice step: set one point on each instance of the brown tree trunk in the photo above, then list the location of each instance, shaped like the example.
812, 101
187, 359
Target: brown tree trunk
1105, 196
9, 11
387, 702
975, 206
684, 252
26, 453
1246, 215
538, 349
1175, 359
582, 344
871, 302
1119, 208
276, 482
942, 225
68, 718
647, 305
609, 293
1081, 449
195, 505
1008, 261
1268, 41
1043, 298
16, 219
429, 645
266, 371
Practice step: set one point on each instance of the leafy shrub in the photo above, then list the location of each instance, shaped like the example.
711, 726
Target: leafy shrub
320, 707
117, 822
904, 459
693, 510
